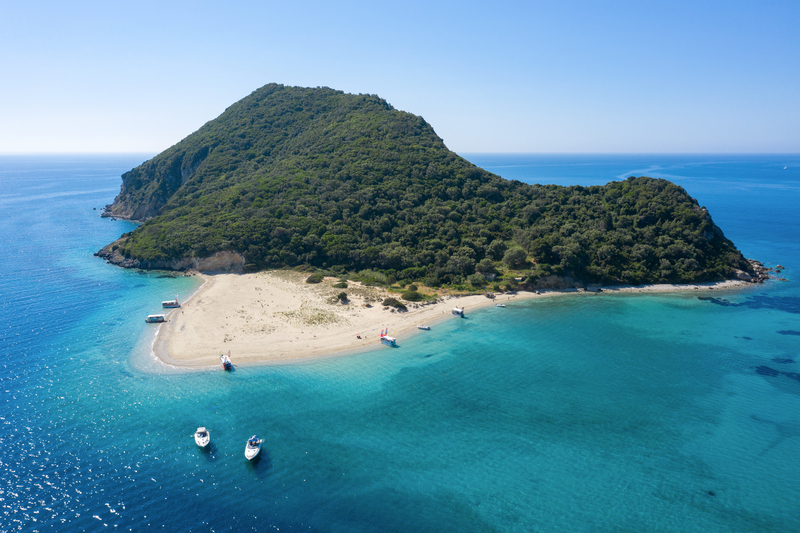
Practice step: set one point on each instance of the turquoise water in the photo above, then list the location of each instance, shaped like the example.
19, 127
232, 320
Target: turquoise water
582, 413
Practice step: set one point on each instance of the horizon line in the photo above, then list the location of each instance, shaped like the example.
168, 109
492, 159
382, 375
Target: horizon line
132, 153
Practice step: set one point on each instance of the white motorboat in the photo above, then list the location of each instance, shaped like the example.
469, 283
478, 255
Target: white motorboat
225, 360
426, 328
499, 305
252, 448
202, 437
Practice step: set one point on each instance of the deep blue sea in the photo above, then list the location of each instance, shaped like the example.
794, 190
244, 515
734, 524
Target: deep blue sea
589, 413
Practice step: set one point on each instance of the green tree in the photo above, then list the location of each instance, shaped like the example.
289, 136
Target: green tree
515, 257
477, 280
486, 266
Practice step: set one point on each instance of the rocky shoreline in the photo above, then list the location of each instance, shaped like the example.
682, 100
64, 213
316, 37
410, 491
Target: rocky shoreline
761, 272
225, 261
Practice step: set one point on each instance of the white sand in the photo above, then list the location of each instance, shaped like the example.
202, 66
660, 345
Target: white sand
275, 317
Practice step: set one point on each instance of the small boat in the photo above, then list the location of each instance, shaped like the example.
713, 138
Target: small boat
252, 448
499, 305
154, 319
458, 312
386, 339
426, 328
202, 437
225, 360
170, 304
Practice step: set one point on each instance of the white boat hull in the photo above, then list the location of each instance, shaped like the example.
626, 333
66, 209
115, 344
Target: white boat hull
250, 452
202, 438
389, 341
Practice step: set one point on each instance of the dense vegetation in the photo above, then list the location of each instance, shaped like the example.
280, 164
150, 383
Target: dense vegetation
291, 176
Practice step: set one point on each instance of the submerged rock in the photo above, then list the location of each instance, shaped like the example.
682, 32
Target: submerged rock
767, 371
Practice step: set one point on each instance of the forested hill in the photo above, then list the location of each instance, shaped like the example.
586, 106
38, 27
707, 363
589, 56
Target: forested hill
291, 176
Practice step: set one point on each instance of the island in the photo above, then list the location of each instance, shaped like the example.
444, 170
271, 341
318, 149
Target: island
344, 186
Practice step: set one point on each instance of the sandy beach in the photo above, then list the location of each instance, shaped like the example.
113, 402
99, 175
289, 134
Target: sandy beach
275, 317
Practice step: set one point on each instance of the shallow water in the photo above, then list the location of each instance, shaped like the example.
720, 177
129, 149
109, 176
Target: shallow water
598, 412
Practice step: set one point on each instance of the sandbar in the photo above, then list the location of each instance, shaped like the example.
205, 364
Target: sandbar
275, 317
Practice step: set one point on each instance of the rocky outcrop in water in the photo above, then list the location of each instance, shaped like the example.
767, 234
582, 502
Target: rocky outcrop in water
761, 273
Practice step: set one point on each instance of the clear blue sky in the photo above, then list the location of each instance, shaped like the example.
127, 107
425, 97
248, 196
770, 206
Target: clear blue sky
490, 77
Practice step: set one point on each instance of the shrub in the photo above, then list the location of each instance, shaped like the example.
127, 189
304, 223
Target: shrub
342, 297
392, 302
413, 287
315, 278
372, 277
340, 285
412, 296
432, 281
476, 280
509, 286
